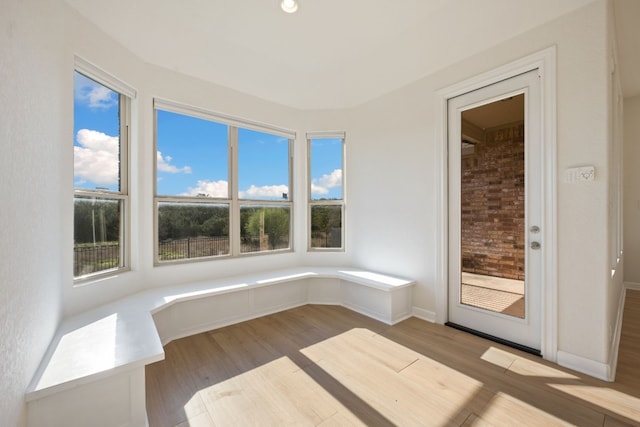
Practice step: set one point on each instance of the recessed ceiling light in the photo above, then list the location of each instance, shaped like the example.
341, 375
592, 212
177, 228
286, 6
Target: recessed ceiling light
289, 6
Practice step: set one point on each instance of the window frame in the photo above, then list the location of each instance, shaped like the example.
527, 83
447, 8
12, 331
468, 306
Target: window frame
234, 202
338, 202
126, 95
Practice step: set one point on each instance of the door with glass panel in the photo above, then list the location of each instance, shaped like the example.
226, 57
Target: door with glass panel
495, 209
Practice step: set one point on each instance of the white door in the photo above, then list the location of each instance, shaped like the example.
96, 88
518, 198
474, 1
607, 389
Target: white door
495, 210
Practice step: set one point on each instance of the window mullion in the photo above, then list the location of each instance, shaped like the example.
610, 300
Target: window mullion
233, 184
125, 163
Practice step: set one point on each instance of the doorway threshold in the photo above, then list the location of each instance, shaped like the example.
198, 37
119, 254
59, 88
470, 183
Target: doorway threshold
493, 338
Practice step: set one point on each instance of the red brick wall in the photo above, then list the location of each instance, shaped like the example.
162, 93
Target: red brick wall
492, 202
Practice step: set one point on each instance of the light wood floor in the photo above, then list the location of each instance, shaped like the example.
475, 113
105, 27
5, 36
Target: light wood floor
328, 366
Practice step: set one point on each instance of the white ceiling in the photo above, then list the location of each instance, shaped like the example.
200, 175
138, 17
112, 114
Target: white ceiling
331, 53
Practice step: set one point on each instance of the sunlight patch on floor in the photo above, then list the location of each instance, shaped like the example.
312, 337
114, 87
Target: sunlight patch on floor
621, 403
505, 409
523, 366
351, 357
276, 390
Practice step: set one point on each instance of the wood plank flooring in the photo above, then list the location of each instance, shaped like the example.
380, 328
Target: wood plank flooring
328, 366
628, 371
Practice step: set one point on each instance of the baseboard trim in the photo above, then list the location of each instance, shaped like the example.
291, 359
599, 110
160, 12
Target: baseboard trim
632, 285
581, 364
421, 313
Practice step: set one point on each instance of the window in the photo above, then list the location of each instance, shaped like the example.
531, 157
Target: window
222, 185
101, 171
192, 184
326, 191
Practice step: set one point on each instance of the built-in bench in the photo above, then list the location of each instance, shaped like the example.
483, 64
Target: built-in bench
93, 372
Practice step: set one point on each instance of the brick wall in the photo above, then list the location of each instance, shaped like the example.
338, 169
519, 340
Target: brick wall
493, 205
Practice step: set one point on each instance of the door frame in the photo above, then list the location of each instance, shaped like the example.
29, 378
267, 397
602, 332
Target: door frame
545, 62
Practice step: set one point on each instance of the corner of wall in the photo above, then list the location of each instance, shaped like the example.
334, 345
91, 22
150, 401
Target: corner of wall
33, 130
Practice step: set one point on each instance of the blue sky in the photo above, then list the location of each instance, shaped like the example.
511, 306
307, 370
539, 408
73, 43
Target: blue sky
192, 155
96, 129
326, 168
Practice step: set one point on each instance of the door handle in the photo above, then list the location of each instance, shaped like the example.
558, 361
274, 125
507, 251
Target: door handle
535, 245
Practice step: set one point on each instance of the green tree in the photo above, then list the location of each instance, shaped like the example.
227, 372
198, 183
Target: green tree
216, 226
325, 217
96, 220
276, 225
326, 225
179, 221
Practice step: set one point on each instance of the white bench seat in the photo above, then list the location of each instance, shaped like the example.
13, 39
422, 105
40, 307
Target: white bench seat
93, 371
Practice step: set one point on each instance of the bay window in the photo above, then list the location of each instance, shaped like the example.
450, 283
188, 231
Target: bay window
223, 185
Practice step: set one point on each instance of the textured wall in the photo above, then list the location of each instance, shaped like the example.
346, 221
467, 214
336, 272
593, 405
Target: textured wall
32, 133
492, 205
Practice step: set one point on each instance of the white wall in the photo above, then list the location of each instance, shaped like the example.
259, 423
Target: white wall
33, 127
393, 187
632, 189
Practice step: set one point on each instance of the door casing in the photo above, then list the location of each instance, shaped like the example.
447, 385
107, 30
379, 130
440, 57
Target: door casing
545, 62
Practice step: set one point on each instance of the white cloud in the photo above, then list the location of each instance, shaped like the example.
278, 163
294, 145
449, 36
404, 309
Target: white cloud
208, 189
266, 191
96, 159
326, 182
164, 165
93, 94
